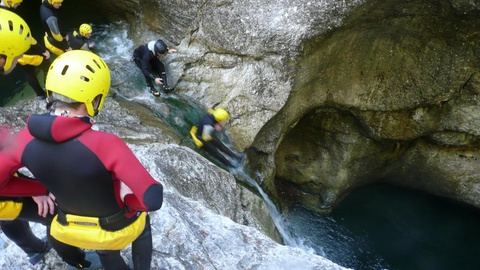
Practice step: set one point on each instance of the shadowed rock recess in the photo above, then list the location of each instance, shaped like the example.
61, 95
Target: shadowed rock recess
326, 96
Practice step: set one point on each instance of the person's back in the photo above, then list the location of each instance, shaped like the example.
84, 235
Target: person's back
86, 177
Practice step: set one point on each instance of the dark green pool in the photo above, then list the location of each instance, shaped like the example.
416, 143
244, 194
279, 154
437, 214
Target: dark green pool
386, 227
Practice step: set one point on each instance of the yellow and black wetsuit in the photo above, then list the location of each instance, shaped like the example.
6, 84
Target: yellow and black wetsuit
32, 59
78, 42
203, 136
54, 37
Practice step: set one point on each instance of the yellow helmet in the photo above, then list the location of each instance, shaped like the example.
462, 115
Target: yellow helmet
15, 36
220, 114
80, 76
12, 3
85, 29
54, 1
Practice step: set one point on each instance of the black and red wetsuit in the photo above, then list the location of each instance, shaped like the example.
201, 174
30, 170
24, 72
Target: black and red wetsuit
83, 168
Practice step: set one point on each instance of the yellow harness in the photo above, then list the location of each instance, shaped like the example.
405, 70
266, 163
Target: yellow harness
86, 232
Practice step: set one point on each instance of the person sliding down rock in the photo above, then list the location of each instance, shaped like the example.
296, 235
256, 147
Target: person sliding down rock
148, 57
203, 134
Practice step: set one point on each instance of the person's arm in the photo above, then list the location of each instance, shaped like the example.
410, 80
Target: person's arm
52, 23
38, 48
147, 193
12, 183
21, 187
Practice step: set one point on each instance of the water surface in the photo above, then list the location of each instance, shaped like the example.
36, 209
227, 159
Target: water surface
386, 227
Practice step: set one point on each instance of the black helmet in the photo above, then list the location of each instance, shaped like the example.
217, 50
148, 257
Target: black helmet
160, 47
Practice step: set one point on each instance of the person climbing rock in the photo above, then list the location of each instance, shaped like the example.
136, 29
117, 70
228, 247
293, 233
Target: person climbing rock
148, 57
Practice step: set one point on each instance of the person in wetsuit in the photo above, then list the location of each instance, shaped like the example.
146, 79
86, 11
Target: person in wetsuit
86, 170
55, 39
10, 3
147, 58
17, 207
204, 136
80, 40
36, 56
15, 38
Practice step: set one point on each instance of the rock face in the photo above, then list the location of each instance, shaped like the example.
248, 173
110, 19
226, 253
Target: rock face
206, 230
329, 95
390, 95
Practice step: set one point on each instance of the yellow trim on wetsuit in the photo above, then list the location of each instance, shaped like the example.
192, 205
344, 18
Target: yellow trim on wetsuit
10, 210
33, 60
193, 132
50, 47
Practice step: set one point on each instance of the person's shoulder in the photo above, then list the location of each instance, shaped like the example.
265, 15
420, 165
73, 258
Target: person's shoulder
112, 137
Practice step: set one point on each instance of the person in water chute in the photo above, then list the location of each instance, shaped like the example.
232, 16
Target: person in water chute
147, 57
205, 135
80, 40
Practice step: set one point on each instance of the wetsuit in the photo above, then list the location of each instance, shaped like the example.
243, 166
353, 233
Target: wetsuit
54, 36
84, 168
150, 65
212, 144
18, 230
78, 42
32, 59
